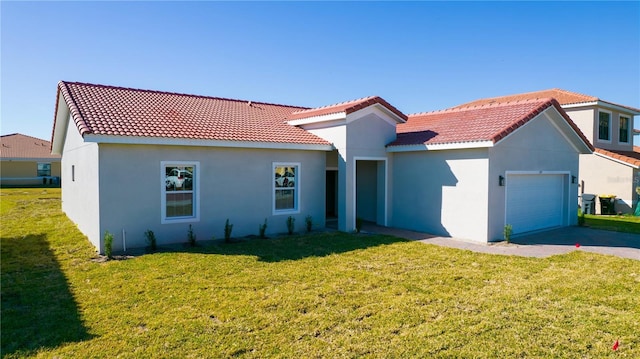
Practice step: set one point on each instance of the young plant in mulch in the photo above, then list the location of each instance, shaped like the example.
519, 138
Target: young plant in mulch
508, 229
108, 244
150, 238
262, 229
290, 224
308, 221
581, 219
191, 237
227, 231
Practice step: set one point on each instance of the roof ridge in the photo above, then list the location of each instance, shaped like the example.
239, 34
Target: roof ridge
178, 94
541, 100
339, 103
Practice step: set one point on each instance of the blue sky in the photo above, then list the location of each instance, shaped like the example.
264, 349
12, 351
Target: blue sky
419, 56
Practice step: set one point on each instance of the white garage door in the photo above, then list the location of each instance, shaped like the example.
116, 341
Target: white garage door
535, 201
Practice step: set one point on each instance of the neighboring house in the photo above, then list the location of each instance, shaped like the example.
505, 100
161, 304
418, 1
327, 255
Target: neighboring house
27, 161
134, 160
613, 168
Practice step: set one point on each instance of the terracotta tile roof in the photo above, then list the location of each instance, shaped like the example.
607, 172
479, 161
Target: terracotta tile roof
346, 107
564, 97
118, 111
630, 157
474, 124
17, 145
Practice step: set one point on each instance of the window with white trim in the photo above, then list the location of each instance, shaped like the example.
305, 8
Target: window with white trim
286, 191
180, 197
44, 169
604, 126
625, 129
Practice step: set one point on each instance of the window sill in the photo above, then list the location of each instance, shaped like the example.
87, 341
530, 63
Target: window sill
180, 220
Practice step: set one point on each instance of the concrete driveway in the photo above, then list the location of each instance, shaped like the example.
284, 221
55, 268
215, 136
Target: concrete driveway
541, 244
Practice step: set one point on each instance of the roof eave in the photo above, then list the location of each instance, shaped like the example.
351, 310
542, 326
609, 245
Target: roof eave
440, 146
616, 160
130, 140
60, 123
609, 105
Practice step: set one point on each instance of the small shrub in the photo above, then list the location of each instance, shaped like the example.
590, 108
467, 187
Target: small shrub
508, 229
151, 239
291, 224
581, 218
358, 224
308, 221
108, 244
227, 231
263, 228
191, 237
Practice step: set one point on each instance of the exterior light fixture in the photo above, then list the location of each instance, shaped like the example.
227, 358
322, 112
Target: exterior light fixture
500, 181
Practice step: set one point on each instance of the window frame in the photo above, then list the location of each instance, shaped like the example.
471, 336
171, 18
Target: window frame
295, 188
38, 169
195, 192
620, 117
609, 126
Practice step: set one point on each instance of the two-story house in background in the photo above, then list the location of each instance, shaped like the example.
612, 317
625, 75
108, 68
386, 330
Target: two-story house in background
613, 168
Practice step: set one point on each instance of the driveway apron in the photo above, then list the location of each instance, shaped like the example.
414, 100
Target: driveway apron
539, 244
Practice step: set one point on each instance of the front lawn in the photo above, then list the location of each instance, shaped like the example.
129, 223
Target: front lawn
322, 295
619, 223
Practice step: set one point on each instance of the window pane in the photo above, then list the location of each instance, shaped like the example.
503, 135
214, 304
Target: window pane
44, 169
285, 199
179, 178
284, 176
603, 132
624, 129
180, 204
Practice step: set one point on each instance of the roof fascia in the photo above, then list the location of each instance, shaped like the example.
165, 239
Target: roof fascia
603, 104
441, 146
318, 119
616, 160
203, 143
389, 117
30, 159
618, 108
61, 121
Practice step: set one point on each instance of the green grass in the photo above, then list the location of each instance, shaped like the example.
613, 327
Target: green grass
619, 223
321, 295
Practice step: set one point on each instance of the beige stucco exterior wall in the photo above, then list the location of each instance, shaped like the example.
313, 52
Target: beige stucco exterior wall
362, 136
538, 146
80, 187
235, 183
587, 120
605, 176
442, 192
18, 169
18, 172
584, 119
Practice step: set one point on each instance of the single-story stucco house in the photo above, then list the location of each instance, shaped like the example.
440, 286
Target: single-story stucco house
614, 166
134, 160
27, 161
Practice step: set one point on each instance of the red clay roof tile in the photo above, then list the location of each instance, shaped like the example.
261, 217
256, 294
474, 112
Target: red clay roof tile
346, 107
474, 124
564, 97
118, 111
630, 157
17, 145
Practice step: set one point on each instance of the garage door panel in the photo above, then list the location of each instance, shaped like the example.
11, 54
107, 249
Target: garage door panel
534, 201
